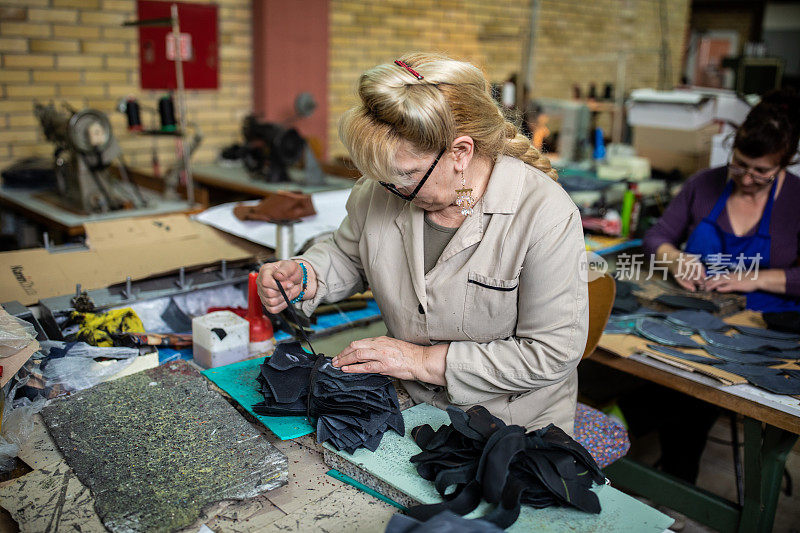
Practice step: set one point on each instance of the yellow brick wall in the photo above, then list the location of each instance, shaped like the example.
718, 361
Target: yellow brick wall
572, 35
76, 51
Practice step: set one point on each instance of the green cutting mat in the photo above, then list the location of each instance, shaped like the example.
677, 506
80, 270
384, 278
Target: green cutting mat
239, 381
390, 464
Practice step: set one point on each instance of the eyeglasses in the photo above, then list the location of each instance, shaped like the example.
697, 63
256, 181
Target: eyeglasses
737, 171
408, 197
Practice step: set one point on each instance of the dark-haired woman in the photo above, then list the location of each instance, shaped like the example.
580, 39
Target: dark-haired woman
741, 222
730, 218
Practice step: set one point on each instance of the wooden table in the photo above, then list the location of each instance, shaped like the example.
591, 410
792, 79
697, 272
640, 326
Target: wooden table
770, 431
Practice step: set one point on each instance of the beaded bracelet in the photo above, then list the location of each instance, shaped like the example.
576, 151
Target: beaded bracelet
305, 283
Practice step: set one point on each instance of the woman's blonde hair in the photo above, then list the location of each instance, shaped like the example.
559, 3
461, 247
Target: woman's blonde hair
452, 99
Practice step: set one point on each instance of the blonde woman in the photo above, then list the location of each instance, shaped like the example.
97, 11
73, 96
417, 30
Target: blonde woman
468, 243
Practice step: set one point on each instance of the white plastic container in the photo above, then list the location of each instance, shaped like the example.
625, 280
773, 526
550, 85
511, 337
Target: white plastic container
220, 338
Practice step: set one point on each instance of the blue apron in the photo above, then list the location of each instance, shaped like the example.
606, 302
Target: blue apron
709, 240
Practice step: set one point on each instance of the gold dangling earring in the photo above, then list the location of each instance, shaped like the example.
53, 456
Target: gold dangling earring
464, 198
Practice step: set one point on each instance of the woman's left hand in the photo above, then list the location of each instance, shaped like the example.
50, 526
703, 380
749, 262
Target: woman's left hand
392, 357
731, 283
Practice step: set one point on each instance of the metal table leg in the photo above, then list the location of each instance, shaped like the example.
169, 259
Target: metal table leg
765, 451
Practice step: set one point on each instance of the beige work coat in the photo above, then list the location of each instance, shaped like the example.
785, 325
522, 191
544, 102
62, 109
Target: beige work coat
506, 292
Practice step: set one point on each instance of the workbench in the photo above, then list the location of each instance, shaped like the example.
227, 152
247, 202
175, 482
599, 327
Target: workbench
771, 428
63, 222
50, 498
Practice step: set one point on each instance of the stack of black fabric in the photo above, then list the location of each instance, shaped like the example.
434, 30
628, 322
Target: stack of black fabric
484, 458
352, 410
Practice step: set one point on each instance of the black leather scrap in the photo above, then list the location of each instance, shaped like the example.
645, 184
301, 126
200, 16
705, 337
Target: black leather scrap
352, 410
481, 457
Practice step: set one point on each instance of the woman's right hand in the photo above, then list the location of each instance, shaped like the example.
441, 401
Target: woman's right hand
290, 275
690, 273
687, 269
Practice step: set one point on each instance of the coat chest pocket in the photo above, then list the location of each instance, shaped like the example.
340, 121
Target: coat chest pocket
490, 307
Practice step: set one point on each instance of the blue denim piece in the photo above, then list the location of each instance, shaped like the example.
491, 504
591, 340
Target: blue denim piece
687, 302
620, 326
733, 356
697, 320
663, 333
772, 379
768, 333
683, 355
747, 343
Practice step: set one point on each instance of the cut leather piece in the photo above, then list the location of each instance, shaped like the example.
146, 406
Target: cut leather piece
768, 333
694, 319
746, 343
662, 333
444, 522
683, 355
687, 302
353, 410
278, 206
483, 458
772, 379
753, 358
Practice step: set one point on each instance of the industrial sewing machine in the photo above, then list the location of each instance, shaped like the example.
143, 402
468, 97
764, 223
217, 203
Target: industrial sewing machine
85, 148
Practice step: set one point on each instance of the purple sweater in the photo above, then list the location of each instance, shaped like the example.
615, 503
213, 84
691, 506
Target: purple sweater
698, 196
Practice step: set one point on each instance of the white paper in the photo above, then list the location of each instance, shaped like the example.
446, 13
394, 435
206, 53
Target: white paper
330, 207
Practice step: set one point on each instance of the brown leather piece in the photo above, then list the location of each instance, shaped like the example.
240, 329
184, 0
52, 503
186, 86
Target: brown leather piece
278, 206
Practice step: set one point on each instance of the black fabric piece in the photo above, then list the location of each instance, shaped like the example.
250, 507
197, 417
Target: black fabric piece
353, 410
624, 299
176, 319
444, 522
768, 333
746, 343
772, 379
683, 355
663, 333
733, 356
696, 320
687, 302
483, 458
788, 321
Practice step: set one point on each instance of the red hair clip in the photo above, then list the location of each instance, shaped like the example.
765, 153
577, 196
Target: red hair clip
411, 70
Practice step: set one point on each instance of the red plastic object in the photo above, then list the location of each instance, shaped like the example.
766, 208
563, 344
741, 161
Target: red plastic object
241, 311
260, 326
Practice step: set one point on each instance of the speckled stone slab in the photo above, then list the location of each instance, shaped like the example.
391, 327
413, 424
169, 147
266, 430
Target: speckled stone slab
158, 446
389, 471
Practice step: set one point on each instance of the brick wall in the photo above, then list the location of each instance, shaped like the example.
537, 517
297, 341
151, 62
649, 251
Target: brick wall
76, 51
572, 38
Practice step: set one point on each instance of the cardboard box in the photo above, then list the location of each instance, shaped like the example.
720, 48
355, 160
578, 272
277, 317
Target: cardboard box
135, 247
669, 149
